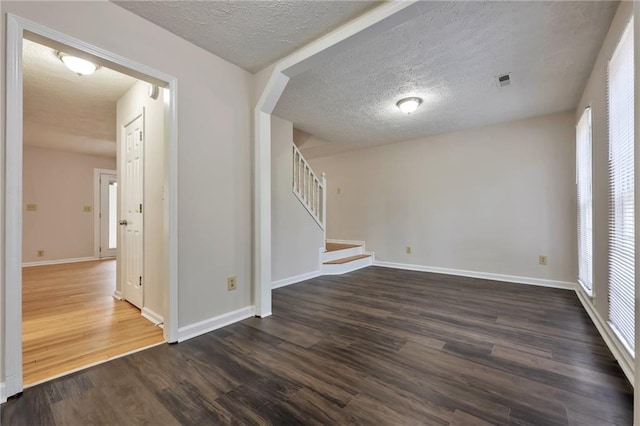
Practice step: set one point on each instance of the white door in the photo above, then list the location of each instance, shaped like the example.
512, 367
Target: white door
132, 175
108, 215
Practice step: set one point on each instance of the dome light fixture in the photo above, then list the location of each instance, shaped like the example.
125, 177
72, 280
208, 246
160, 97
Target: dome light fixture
408, 105
78, 65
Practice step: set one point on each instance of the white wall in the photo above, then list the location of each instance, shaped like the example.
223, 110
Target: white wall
128, 107
60, 183
485, 200
214, 152
295, 236
595, 95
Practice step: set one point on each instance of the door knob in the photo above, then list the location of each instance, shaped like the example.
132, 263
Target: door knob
123, 222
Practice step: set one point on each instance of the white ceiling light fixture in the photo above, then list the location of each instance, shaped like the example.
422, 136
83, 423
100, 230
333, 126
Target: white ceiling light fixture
78, 65
409, 105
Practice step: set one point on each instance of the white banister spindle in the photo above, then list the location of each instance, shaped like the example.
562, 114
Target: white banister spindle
309, 188
323, 209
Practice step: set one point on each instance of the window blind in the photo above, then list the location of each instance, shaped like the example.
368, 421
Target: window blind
621, 179
585, 215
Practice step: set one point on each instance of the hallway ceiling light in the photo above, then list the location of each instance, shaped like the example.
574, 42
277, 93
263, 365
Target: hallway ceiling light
408, 105
78, 65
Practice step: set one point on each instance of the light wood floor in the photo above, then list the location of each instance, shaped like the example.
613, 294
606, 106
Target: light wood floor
71, 320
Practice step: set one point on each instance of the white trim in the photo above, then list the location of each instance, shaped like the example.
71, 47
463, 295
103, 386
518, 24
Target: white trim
482, 275
203, 327
152, 316
11, 170
328, 256
352, 242
13, 210
96, 207
354, 265
295, 279
118, 295
62, 261
170, 97
93, 364
3, 398
615, 346
589, 292
636, 79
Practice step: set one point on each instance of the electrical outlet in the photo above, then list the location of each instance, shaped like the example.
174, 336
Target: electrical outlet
40, 253
408, 250
86, 208
231, 283
542, 260
32, 207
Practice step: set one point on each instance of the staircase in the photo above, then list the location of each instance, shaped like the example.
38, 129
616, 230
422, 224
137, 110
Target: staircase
311, 190
340, 258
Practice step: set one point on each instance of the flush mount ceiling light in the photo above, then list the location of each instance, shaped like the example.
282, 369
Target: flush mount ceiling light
78, 65
408, 105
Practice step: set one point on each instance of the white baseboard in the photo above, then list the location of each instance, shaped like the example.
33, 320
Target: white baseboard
483, 275
3, 396
293, 280
12, 385
118, 295
202, 327
152, 316
60, 261
613, 343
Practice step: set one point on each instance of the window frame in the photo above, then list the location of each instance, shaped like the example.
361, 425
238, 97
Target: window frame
584, 199
621, 221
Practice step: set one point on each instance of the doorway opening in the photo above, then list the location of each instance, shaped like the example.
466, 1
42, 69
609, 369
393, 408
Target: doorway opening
70, 316
105, 189
101, 274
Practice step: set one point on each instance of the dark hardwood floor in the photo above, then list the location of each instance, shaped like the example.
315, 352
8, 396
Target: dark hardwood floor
377, 346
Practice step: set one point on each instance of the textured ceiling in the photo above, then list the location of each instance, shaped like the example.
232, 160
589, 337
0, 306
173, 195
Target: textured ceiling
65, 111
250, 34
450, 55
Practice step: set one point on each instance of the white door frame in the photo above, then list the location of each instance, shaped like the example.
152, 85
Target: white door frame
97, 208
11, 168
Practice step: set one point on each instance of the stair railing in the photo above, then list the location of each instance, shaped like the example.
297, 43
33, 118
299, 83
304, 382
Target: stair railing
310, 189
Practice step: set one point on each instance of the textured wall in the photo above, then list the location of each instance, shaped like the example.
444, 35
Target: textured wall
295, 236
487, 200
60, 183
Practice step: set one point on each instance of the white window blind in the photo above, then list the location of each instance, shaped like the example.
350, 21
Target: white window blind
621, 179
583, 183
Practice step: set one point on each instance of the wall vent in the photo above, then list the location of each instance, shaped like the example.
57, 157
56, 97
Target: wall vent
504, 80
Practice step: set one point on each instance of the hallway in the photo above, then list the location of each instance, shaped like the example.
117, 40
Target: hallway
71, 320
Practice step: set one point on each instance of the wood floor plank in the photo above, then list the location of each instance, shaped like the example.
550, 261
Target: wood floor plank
376, 346
70, 319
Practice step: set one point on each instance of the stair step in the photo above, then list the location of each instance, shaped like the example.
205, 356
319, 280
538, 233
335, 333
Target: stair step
339, 246
347, 259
